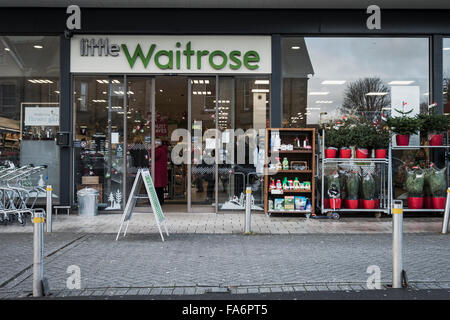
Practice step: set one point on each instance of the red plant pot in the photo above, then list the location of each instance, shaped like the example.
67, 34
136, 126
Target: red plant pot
326, 203
330, 153
435, 139
377, 203
351, 204
368, 204
415, 202
439, 202
402, 139
380, 153
362, 153
360, 204
335, 203
345, 153
428, 202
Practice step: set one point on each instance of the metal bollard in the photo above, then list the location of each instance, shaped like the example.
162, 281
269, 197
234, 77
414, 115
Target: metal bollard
397, 244
446, 213
49, 208
38, 253
248, 209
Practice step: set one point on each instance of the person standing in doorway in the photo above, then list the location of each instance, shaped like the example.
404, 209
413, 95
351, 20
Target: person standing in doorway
161, 152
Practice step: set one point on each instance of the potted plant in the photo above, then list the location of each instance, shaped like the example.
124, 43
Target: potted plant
415, 179
381, 143
364, 135
343, 142
432, 125
368, 191
403, 127
438, 187
352, 184
331, 143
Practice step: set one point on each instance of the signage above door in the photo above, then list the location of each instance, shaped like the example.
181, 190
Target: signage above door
171, 54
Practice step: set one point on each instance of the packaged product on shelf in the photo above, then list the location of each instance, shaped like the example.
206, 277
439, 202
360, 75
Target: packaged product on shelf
289, 203
272, 184
307, 185
270, 204
279, 187
278, 164
296, 184
300, 203
285, 164
308, 205
291, 184
279, 204
285, 184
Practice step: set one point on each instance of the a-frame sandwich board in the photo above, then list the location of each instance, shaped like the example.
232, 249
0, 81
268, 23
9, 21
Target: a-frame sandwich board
143, 175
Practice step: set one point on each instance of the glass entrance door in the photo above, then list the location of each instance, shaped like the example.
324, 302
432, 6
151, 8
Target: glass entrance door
202, 123
140, 96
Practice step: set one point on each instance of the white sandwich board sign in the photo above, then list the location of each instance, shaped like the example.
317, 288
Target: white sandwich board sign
143, 175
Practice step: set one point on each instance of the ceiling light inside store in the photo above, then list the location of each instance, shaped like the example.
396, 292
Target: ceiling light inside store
115, 81
318, 93
446, 49
260, 90
376, 94
400, 82
322, 101
56, 91
309, 108
333, 82
261, 81
40, 81
295, 47
426, 94
7, 49
38, 46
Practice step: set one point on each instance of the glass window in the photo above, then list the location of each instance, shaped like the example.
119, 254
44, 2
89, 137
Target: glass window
446, 63
326, 78
99, 137
29, 104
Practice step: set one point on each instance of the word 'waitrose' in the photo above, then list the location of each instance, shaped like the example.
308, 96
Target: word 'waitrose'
172, 59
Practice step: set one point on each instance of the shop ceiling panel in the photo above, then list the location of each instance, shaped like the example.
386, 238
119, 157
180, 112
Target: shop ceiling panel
255, 4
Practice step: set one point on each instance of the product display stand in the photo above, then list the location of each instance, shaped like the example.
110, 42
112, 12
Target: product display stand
297, 148
415, 147
369, 164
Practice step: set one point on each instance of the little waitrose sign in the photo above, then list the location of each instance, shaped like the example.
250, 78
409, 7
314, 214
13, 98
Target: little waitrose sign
170, 54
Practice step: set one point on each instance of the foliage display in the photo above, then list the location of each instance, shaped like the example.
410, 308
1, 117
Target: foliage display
368, 187
404, 125
437, 182
433, 123
333, 184
352, 185
415, 179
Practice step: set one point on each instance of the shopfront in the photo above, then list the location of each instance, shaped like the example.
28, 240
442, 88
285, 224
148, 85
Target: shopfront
131, 77
133, 91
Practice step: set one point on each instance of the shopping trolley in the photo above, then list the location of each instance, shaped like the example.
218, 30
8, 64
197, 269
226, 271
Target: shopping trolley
18, 194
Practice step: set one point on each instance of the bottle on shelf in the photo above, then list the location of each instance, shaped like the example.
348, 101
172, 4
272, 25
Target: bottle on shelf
285, 164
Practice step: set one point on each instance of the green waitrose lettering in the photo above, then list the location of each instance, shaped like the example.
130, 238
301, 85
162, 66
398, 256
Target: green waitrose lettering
217, 59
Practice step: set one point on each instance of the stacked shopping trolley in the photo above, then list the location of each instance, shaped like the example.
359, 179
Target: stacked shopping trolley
19, 190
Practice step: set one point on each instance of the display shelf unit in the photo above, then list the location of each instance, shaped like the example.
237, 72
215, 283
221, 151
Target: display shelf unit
382, 164
446, 147
287, 136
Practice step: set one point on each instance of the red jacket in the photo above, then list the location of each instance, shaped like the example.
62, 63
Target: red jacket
160, 179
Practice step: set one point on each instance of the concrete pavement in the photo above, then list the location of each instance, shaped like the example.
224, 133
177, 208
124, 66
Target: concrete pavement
187, 264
